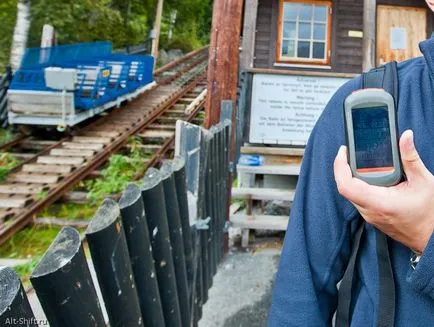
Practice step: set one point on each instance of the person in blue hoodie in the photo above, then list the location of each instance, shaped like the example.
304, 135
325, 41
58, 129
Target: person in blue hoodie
329, 204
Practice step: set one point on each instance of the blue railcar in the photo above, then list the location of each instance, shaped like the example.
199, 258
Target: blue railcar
101, 80
57, 55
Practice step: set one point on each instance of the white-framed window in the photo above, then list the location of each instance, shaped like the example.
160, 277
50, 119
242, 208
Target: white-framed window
304, 32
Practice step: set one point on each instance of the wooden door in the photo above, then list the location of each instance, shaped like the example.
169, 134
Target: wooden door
399, 31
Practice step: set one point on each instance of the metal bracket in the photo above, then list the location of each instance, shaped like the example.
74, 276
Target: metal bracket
202, 224
231, 167
226, 226
226, 108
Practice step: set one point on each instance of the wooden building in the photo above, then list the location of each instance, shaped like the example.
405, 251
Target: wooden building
294, 56
329, 35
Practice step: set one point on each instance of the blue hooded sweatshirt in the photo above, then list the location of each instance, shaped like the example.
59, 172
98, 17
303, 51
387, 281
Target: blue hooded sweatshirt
322, 224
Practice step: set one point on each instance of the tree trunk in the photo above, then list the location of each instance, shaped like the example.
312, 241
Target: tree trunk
19, 40
157, 27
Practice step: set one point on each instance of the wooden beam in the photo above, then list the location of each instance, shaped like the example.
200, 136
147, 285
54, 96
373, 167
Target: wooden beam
76, 197
266, 194
299, 73
272, 151
288, 169
223, 58
369, 26
62, 222
260, 221
223, 70
249, 34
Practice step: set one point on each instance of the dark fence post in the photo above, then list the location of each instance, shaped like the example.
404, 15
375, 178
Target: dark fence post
109, 250
210, 183
187, 145
155, 208
15, 308
181, 192
176, 240
140, 251
228, 168
198, 280
193, 143
64, 286
202, 214
216, 131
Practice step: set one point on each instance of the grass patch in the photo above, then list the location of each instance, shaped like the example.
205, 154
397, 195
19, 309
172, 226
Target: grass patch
121, 170
241, 202
41, 195
29, 242
6, 135
7, 163
71, 211
25, 270
201, 115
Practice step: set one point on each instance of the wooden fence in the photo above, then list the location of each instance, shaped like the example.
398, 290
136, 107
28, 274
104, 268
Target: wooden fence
155, 252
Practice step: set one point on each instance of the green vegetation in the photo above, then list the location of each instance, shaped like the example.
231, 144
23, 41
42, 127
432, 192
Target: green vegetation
7, 163
71, 211
121, 170
29, 242
41, 195
8, 13
24, 270
241, 202
6, 135
124, 22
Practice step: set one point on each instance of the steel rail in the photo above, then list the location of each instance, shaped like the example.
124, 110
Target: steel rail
171, 78
165, 147
7, 145
178, 61
21, 220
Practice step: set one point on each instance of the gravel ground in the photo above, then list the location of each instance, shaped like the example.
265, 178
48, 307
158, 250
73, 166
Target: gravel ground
241, 292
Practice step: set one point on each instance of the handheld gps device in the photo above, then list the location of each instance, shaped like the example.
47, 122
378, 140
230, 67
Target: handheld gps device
371, 131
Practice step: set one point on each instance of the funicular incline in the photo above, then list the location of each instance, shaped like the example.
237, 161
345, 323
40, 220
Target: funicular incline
45, 178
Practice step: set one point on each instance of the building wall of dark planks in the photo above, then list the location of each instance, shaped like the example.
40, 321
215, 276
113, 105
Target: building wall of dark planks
346, 51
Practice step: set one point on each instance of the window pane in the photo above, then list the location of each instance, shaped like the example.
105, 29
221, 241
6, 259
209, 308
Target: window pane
289, 30
318, 50
288, 48
304, 30
320, 13
290, 11
303, 49
319, 31
305, 12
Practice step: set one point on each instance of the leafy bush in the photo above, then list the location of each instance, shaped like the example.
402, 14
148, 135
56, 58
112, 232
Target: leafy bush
71, 211
7, 163
25, 270
6, 135
184, 43
119, 21
29, 242
120, 171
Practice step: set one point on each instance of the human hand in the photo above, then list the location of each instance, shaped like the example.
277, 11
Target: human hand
405, 212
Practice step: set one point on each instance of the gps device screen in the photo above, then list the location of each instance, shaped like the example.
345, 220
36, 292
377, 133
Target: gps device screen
372, 139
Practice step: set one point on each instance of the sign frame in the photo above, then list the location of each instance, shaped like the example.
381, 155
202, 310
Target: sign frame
252, 139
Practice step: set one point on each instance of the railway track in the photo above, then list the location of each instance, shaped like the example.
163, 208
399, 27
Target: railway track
48, 175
